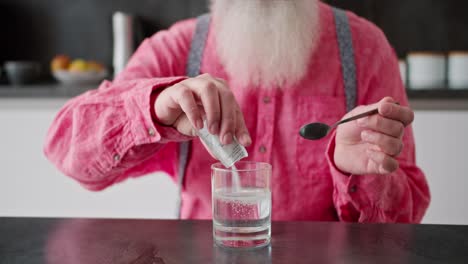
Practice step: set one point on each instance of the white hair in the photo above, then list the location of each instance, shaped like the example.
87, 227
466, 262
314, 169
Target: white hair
266, 43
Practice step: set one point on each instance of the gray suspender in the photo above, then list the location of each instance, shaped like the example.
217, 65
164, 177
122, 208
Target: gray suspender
193, 69
345, 44
348, 65
198, 46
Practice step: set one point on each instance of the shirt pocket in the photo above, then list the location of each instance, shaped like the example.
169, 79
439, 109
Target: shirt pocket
311, 159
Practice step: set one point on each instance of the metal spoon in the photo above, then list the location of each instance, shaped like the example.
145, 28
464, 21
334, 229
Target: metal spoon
315, 131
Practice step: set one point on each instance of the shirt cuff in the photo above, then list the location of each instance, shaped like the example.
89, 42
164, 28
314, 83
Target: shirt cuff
363, 191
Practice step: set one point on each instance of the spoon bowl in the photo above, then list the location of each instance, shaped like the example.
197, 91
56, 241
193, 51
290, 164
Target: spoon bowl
316, 131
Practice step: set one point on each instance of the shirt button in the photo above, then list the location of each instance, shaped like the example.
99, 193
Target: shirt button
353, 189
116, 157
266, 99
262, 149
151, 132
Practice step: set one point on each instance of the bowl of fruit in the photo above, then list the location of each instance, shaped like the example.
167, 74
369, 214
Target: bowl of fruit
77, 71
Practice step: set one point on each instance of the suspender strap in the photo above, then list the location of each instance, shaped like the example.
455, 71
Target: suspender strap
193, 69
345, 44
198, 46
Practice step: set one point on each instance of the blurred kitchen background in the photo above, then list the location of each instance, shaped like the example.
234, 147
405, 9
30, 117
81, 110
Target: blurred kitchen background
429, 36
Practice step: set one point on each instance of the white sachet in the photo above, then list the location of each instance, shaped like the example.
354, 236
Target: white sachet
228, 155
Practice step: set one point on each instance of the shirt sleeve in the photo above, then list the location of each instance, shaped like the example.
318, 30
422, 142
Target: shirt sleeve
109, 134
402, 196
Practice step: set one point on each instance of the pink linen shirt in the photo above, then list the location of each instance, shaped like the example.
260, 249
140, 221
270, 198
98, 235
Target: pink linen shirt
107, 135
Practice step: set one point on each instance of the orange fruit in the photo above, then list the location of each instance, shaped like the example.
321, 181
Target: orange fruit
60, 62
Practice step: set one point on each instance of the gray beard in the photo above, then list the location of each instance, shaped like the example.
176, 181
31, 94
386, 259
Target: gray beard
265, 43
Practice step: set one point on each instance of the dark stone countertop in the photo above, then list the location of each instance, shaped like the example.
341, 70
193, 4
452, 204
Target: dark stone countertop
70, 241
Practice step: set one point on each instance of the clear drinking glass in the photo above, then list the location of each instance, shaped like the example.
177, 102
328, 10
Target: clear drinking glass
241, 204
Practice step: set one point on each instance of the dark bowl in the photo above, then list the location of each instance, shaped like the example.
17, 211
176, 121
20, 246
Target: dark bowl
22, 72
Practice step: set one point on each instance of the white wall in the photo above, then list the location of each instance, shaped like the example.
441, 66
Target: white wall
442, 152
30, 185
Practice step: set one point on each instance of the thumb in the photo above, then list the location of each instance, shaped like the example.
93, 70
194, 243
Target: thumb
378, 105
385, 100
183, 125
388, 99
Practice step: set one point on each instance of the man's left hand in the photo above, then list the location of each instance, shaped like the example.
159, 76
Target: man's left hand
371, 145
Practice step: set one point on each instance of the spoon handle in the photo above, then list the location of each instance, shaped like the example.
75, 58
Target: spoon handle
368, 113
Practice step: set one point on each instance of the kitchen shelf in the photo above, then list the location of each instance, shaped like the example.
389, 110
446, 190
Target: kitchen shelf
439, 99
46, 90
432, 100
438, 94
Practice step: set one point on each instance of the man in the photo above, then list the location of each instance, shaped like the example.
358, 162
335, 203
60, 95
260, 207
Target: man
267, 68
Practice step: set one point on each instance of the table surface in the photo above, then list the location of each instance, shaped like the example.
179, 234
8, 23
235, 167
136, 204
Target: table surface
66, 241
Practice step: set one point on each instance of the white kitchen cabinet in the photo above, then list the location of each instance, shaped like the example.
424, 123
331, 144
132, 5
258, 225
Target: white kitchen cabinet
31, 186
442, 153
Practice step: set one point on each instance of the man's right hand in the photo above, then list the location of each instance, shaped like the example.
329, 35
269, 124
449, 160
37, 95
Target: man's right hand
185, 104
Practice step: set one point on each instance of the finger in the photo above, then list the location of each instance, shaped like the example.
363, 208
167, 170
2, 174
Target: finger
396, 112
381, 163
228, 116
205, 76
187, 102
222, 81
382, 124
209, 77
387, 144
207, 91
232, 122
241, 132
218, 81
